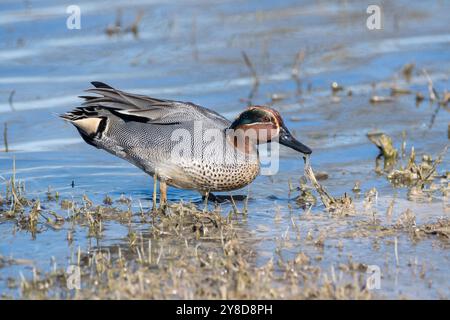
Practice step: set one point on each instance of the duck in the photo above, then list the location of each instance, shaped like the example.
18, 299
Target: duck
180, 144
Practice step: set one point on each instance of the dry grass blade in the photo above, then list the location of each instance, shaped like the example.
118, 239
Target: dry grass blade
299, 58
431, 91
252, 69
327, 199
341, 206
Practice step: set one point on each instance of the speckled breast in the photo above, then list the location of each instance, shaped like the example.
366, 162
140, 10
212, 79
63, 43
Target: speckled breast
221, 177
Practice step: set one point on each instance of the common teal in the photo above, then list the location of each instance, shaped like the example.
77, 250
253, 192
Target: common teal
147, 131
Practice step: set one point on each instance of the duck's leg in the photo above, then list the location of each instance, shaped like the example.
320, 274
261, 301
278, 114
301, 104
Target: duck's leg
155, 181
162, 194
206, 198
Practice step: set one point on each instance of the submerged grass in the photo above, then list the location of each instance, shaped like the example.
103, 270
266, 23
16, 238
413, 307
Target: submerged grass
181, 252
189, 254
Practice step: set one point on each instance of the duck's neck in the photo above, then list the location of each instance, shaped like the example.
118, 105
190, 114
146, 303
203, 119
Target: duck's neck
240, 141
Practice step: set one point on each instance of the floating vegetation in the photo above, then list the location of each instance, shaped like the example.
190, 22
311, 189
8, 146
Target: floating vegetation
387, 150
407, 71
380, 99
406, 223
414, 175
441, 228
357, 187
117, 29
419, 97
395, 91
306, 198
417, 174
446, 98
107, 200
276, 97
335, 87
384, 143
321, 175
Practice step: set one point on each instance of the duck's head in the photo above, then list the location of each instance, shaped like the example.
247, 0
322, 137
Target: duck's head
268, 121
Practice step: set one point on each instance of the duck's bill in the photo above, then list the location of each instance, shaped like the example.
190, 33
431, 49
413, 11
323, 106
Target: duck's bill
288, 140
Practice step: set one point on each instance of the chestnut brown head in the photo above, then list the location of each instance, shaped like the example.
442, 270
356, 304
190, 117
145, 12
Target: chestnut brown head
268, 125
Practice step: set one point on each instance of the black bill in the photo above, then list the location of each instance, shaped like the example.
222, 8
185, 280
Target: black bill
286, 139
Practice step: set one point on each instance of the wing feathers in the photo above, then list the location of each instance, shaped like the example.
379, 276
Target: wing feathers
134, 107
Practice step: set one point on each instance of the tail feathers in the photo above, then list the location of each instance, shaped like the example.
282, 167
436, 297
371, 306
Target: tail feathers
102, 85
98, 85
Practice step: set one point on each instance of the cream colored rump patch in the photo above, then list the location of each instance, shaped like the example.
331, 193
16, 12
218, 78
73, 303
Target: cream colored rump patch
88, 125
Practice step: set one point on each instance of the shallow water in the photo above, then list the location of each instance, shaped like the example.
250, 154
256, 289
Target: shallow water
191, 50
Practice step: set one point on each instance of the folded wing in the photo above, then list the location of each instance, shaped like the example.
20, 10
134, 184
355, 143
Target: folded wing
140, 108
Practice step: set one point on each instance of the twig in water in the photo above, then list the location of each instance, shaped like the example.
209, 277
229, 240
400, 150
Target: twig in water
254, 75
118, 22
10, 99
390, 209
251, 67
251, 95
116, 28
433, 97
299, 58
432, 92
433, 116
134, 27
5, 137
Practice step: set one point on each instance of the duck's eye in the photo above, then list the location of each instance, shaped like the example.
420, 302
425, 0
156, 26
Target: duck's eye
266, 119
